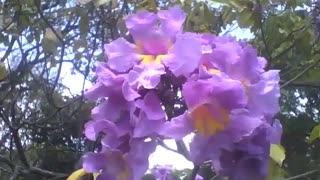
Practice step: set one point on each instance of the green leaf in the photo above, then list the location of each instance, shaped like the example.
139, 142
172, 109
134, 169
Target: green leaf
50, 41
80, 43
220, 2
84, 1
227, 14
277, 153
315, 134
238, 4
3, 71
245, 18
100, 2
275, 171
84, 25
78, 56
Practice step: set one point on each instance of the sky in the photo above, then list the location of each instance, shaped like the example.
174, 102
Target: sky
161, 156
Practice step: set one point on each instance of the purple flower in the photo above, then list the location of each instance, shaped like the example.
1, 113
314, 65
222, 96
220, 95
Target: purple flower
161, 172
185, 55
112, 164
107, 128
108, 84
210, 102
248, 159
151, 117
116, 165
145, 77
143, 24
121, 55
227, 100
171, 21
264, 95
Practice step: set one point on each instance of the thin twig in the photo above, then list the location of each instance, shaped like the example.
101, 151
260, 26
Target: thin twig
162, 144
300, 74
303, 175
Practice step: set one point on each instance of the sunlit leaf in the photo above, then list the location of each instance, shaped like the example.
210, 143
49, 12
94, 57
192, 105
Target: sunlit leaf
315, 134
78, 56
245, 18
83, 1
100, 2
84, 25
3, 71
275, 171
51, 40
277, 153
77, 175
80, 43
95, 175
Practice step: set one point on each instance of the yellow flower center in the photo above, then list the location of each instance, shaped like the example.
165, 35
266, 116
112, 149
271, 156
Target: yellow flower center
205, 123
211, 70
151, 59
126, 172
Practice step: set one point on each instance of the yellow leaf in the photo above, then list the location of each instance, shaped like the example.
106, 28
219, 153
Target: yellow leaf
277, 153
95, 175
315, 134
84, 1
3, 71
98, 3
77, 175
275, 171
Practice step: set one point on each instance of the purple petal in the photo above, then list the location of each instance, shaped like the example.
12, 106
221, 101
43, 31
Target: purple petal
107, 77
247, 66
152, 106
264, 95
121, 55
140, 24
148, 77
229, 93
242, 124
117, 165
198, 177
226, 92
106, 176
110, 109
185, 56
94, 162
155, 43
201, 149
128, 93
94, 128
196, 93
98, 90
171, 20
177, 128
138, 156
145, 127
90, 130
276, 132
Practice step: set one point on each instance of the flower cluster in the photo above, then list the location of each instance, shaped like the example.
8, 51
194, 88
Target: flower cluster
168, 84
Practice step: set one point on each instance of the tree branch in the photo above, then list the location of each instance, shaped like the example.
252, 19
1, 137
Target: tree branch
300, 74
303, 175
